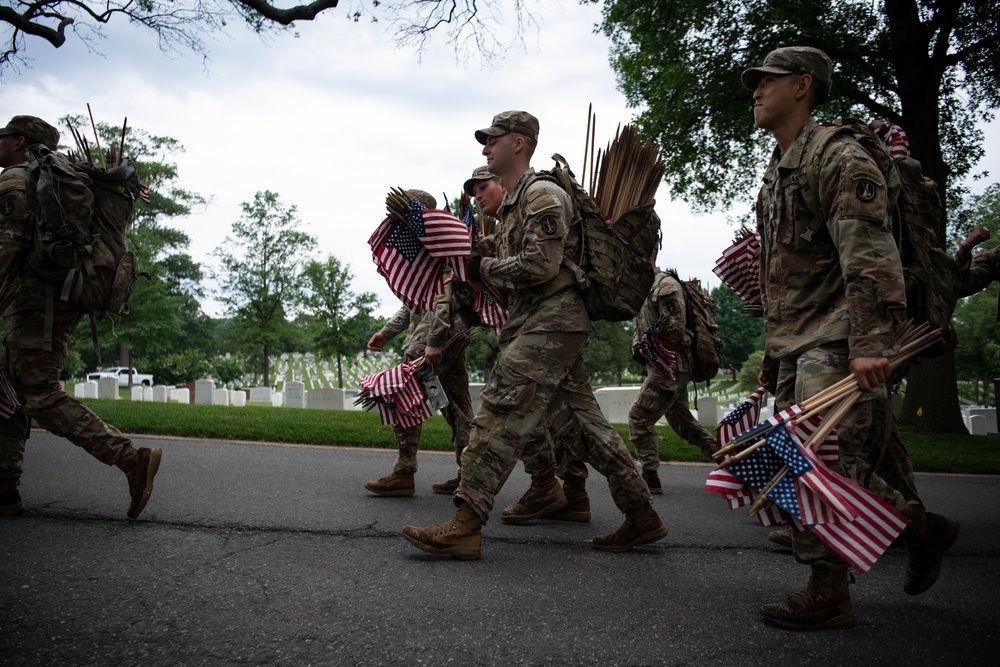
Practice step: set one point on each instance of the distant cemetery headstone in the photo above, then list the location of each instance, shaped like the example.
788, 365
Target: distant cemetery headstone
325, 399
107, 389
295, 394
203, 391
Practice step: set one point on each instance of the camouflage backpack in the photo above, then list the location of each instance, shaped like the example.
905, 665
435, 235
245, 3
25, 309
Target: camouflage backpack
929, 272
612, 265
83, 214
706, 345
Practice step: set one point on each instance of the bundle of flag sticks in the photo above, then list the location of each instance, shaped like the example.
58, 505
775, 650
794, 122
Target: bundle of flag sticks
397, 393
84, 153
840, 397
626, 174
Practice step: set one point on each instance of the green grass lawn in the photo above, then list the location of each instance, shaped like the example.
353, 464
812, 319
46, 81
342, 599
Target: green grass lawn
256, 423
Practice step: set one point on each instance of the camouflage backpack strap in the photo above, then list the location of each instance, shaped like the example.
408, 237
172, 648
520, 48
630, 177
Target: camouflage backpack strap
823, 136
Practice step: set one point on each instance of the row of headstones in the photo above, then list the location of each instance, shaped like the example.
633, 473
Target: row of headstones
206, 393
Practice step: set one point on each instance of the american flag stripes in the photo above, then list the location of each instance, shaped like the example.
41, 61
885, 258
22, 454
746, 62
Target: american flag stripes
739, 267
9, 403
491, 313
850, 520
397, 394
659, 355
894, 138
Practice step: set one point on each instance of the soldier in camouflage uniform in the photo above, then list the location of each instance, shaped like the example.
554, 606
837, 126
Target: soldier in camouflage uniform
660, 394
427, 332
540, 461
540, 356
34, 350
832, 288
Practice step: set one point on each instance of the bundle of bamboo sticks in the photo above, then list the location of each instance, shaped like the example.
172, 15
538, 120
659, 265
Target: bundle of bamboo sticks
626, 174
840, 396
397, 204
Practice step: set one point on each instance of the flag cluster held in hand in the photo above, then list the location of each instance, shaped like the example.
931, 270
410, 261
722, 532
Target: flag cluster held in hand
739, 267
657, 354
778, 461
9, 403
490, 313
397, 394
412, 246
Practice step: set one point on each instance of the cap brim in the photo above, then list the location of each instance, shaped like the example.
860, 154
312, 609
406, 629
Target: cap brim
751, 77
471, 183
482, 136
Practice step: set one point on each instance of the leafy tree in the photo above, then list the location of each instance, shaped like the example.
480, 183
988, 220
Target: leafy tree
264, 280
176, 367
746, 379
339, 315
182, 25
934, 68
741, 333
228, 370
978, 335
609, 351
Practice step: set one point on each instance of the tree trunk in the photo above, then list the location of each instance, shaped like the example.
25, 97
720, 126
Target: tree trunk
340, 372
267, 365
931, 401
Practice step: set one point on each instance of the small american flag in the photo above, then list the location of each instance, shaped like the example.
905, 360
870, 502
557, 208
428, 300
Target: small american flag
739, 267
894, 138
9, 403
144, 192
398, 395
401, 254
659, 355
491, 313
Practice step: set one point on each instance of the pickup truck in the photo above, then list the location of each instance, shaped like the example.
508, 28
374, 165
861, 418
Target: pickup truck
121, 372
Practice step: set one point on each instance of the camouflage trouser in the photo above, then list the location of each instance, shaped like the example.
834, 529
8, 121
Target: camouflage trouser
893, 463
35, 375
530, 372
458, 413
657, 397
859, 435
541, 459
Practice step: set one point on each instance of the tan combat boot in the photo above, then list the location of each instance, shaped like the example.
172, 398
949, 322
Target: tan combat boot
927, 538
459, 537
396, 484
447, 488
641, 526
544, 495
652, 480
577, 506
783, 538
10, 499
825, 603
140, 466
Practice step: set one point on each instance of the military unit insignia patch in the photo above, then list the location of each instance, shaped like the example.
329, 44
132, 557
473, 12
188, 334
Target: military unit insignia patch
7, 206
549, 225
865, 190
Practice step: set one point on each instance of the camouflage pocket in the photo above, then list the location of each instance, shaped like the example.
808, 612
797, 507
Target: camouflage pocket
508, 391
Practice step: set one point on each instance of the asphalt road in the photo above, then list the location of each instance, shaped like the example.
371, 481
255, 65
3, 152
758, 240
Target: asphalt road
276, 555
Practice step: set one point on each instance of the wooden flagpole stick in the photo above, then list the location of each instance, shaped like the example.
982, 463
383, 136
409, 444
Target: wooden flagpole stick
828, 424
121, 145
97, 139
742, 455
586, 146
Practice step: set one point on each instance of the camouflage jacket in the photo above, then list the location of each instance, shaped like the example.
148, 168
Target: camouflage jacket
415, 324
532, 238
666, 302
452, 314
20, 290
979, 273
836, 276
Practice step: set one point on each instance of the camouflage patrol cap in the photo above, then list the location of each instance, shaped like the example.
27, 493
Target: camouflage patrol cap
425, 198
506, 122
794, 60
480, 174
34, 129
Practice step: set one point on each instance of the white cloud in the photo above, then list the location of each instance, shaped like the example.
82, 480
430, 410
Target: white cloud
334, 118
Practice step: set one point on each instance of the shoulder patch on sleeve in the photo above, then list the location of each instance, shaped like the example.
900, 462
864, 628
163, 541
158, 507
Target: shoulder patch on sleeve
541, 196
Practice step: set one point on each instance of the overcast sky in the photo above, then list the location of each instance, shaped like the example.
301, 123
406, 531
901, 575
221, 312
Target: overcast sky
332, 119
